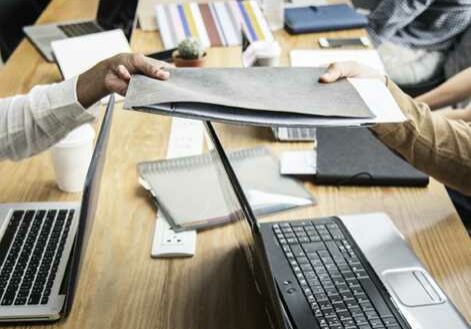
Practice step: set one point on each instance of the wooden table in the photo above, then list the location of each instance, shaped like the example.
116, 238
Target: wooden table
122, 287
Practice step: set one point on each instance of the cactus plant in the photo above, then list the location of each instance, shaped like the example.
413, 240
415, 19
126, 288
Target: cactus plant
190, 48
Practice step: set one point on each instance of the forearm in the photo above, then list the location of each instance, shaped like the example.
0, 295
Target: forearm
461, 114
432, 143
32, 123
454, 90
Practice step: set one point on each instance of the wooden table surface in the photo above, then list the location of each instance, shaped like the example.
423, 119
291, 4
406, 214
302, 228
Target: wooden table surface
122, 287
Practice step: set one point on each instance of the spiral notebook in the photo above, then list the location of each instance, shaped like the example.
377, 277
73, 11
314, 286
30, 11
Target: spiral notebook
189, 192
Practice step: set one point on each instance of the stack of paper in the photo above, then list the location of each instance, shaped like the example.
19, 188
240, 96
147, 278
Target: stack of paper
214, 24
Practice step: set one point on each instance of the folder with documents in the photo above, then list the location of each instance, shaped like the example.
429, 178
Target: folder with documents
246, 96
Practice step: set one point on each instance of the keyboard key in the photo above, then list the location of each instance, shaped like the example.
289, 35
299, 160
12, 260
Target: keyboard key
10, 234
313, 246
389, 321
34, 298
375, 297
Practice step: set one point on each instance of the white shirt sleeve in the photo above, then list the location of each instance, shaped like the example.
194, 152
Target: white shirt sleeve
31, 123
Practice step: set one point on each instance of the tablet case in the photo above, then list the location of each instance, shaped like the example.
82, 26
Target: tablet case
323, 18
354, 156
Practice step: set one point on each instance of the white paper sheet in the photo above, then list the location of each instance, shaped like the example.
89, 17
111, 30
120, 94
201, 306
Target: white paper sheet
322, 58
298, 163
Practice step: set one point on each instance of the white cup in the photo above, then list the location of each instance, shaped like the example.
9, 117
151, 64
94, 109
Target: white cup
268, 54
71, 158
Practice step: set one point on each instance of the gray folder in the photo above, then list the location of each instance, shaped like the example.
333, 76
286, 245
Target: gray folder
259, 95
190, 194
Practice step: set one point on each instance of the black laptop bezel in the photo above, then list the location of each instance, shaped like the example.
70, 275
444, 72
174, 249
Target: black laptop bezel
281, 317
87, 209
104, 12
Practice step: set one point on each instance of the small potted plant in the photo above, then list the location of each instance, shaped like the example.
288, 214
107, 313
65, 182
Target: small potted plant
189, 53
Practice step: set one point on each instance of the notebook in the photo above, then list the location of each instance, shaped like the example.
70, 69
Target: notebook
215, 24
323, 18
347, 156
188, 190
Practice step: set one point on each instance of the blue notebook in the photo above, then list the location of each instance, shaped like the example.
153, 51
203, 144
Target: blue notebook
323, 18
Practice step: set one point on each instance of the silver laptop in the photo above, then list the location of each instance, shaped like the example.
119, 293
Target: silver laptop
112, 14
42, 247
338, 272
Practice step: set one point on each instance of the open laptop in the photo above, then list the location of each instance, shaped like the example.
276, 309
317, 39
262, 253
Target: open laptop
42, 247
350, 272
112, 14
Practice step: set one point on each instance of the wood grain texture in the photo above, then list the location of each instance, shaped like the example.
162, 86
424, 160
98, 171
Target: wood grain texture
122, 287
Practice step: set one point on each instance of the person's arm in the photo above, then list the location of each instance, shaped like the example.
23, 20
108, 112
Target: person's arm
432, 143
461, 114
390, 16
452, 91
33, 122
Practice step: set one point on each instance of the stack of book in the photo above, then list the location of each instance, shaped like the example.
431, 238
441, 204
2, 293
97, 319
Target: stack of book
216, 24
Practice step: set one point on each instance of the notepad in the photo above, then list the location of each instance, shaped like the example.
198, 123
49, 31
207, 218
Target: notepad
189, 191
353, 156
215, 24
323, 18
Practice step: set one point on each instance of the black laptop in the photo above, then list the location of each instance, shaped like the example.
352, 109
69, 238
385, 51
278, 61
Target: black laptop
337, 272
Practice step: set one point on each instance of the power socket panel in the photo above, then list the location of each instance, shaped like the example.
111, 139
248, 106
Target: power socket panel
168, 243
186, 138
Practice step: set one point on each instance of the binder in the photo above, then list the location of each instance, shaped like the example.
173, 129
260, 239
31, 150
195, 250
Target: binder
323, 18
354, 156
192, 194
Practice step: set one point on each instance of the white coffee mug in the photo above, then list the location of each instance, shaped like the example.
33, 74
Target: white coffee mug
71, 158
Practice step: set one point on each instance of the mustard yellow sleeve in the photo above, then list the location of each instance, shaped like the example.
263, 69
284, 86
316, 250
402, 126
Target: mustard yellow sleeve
431, 143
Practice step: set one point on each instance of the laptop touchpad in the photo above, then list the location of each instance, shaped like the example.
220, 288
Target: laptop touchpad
413, 288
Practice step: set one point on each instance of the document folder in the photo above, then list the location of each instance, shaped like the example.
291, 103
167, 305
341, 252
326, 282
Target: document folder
264, 96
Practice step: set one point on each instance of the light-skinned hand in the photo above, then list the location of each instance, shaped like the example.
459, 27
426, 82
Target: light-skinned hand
341, 70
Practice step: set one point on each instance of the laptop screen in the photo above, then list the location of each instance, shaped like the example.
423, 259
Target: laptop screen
117, 14
87, 208
247, 230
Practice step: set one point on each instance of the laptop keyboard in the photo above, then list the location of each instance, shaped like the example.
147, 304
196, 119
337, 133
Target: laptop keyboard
30, 252
302, 134
78, 29
339, 290
295, 134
